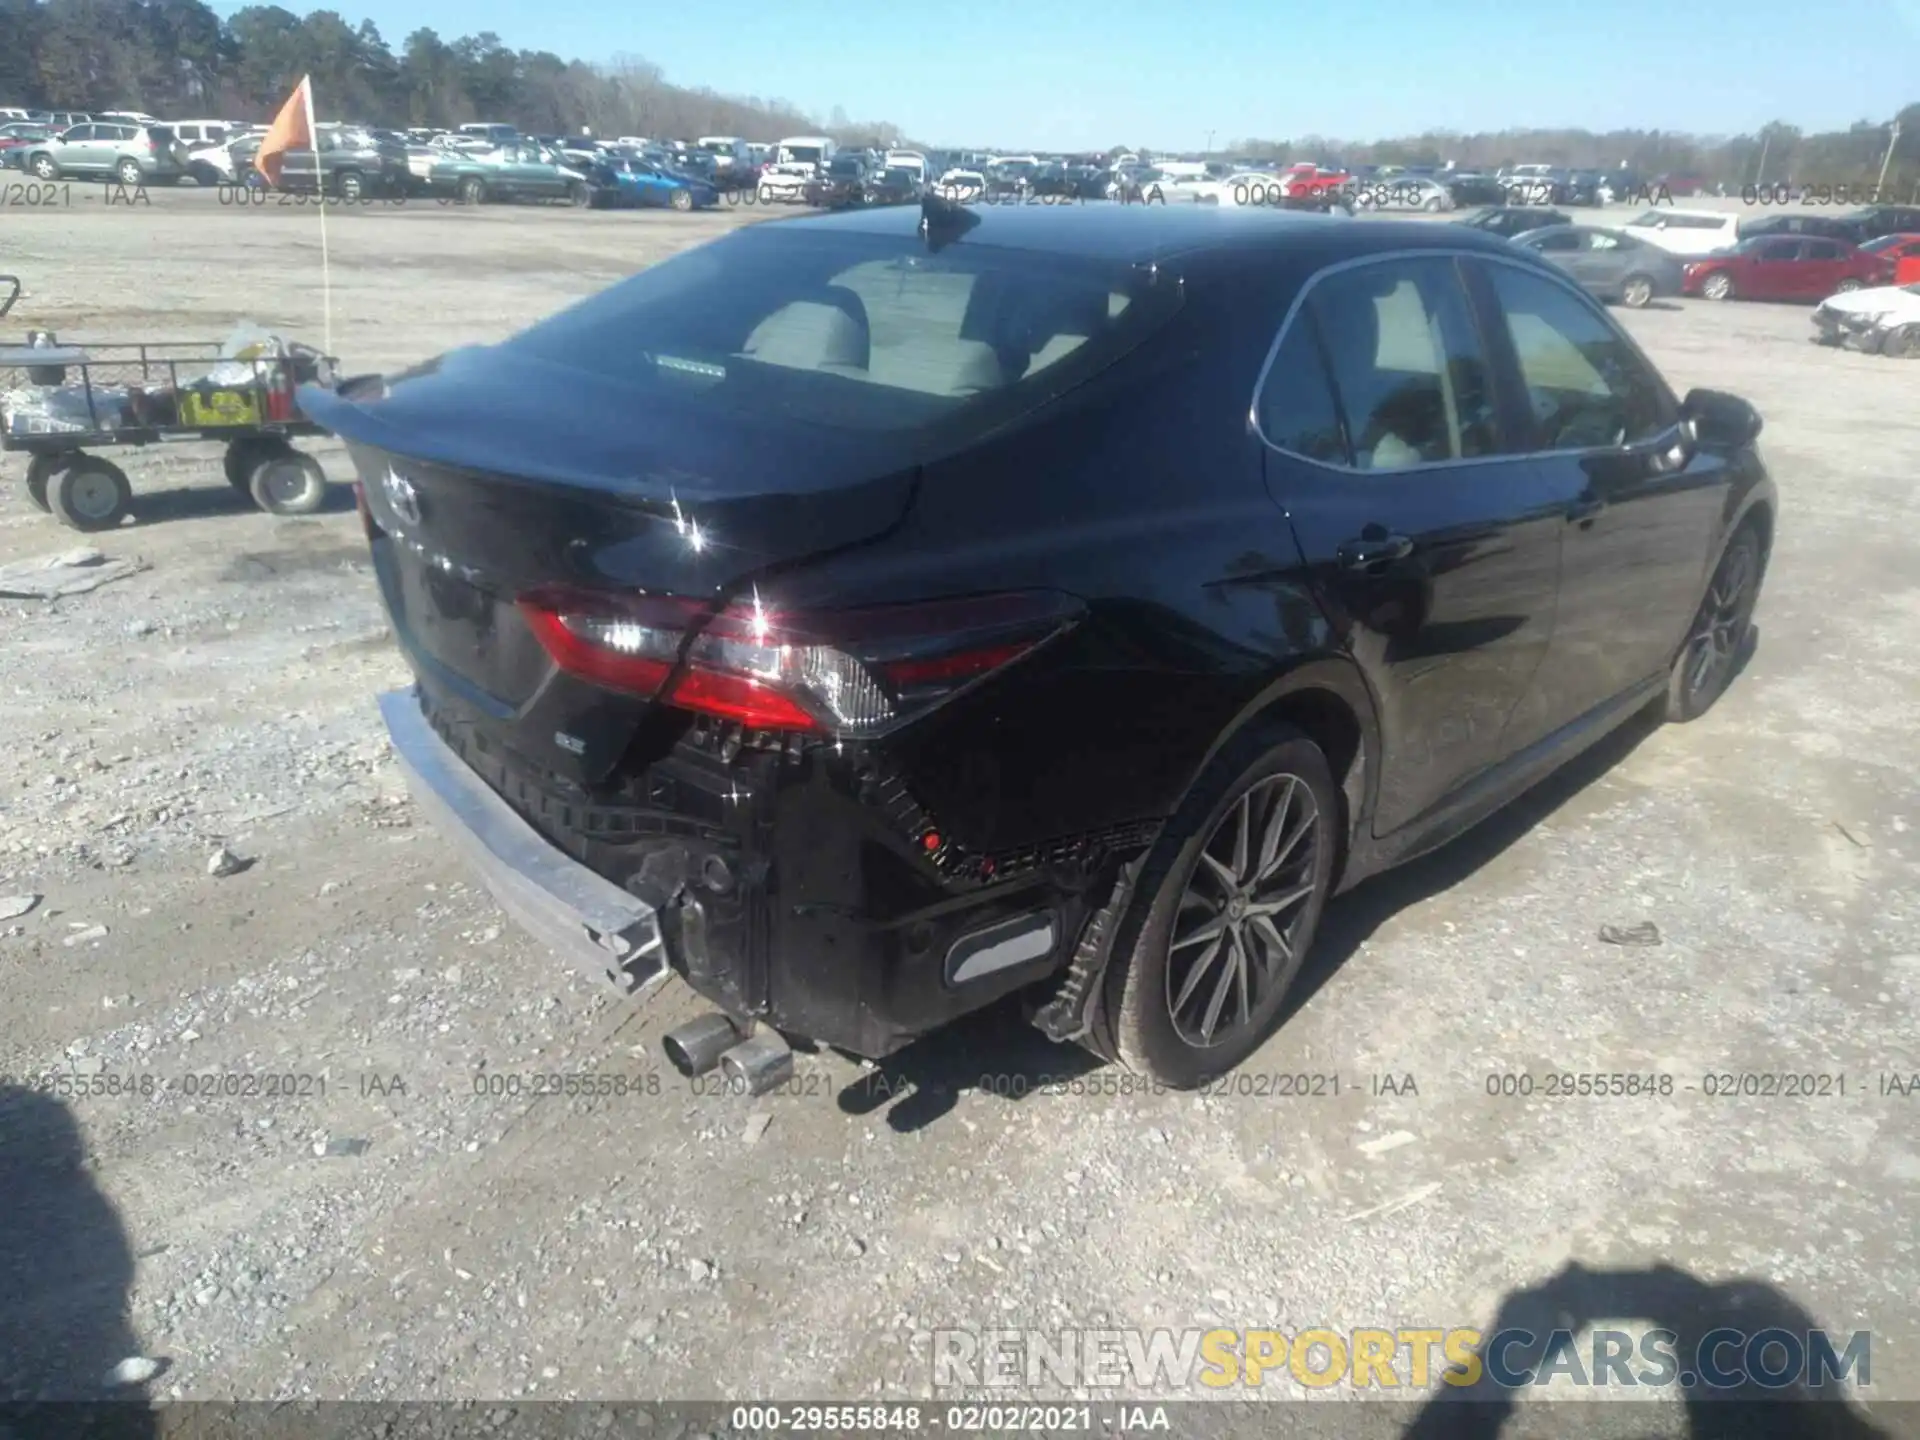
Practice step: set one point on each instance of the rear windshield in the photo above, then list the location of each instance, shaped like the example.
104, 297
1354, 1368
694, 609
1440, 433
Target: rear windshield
857, 331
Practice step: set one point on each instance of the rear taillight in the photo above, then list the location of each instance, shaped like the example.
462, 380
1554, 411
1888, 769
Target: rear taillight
855, 673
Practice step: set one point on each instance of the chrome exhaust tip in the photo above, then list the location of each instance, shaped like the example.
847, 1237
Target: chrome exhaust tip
758, 1064
696, 1047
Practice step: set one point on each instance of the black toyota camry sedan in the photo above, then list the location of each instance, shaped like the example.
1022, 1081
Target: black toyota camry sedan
868, 616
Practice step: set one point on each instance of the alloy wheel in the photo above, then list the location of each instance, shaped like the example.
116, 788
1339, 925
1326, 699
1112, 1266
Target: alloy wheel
1718, 287
1236, 930
1638, 292
1721, 626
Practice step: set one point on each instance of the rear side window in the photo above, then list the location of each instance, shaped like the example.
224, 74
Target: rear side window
1558, 240
1822, 250
1296, 409
1408, 367
859, 331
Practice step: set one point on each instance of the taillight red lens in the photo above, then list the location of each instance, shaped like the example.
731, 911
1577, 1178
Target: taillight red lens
625, 643
852, 673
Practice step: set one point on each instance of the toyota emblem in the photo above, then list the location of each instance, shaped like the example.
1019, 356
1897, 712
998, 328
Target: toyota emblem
401, 495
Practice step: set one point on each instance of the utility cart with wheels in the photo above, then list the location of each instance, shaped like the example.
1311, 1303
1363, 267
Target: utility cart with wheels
60, 402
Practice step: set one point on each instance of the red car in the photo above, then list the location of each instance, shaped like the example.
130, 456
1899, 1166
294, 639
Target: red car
1903, 250
1786, 267
1312, 181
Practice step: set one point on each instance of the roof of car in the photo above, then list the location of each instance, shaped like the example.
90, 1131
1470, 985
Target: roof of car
1145, 232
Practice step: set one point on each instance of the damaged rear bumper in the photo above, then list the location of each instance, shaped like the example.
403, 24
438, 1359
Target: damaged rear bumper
588, 920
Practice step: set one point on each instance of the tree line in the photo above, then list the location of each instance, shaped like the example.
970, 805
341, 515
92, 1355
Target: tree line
178, 58
1779, 152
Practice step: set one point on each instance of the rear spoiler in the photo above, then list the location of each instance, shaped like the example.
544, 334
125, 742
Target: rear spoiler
13, 293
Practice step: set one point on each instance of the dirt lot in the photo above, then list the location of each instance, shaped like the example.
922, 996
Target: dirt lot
403, 1234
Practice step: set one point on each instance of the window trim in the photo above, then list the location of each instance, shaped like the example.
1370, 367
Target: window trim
1501, 362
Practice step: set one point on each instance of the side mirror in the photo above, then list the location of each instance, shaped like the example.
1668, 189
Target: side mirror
1720, 420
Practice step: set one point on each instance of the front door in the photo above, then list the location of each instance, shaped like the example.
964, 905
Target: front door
1633, 565
1434, 554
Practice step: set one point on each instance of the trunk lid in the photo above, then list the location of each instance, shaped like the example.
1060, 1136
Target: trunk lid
490, 473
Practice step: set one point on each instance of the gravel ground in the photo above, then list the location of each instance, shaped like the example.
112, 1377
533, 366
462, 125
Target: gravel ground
398, 1224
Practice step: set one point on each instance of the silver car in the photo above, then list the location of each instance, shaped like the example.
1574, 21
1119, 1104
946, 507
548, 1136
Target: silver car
109, 150
1400, 192
1608, 264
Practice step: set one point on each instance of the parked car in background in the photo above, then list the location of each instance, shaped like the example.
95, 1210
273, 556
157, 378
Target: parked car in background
516, 172
1787, 267
623, 182
895, 185
1242, 188
350, 162
1903, 250
961, 185
1400, 193
1508, 221
1680, 185
196, 133
1472, 188
1884, 320
1608, 264
490, 133
1828, 227
19, 133
841, 183
1091, 733
1872, 221
1686, 232
108, 150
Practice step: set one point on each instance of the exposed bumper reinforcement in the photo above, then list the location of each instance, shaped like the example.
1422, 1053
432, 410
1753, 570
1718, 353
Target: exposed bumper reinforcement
587, 919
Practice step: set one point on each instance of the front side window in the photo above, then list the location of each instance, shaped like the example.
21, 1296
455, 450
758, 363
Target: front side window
1561, 241
1588, 388
1408, 367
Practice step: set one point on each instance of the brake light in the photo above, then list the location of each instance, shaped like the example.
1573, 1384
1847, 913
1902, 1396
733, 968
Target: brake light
854, 673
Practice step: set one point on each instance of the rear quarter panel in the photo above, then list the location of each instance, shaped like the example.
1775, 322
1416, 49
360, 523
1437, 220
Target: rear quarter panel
1189, 571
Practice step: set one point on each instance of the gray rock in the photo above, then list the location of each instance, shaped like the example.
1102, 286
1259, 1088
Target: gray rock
12, 907
223, 862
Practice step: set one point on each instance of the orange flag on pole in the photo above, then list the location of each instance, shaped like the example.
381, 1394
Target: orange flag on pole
292, 129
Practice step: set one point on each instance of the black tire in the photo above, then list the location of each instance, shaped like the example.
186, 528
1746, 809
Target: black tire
473, 190
89, 494
129, 173
1846, 287
292, 484
1139, 1025
40, 471
1902, 344
1717, 637
579, 195
44, 168
1719, 286
1636, 292
246, 455
205, 175
350, 186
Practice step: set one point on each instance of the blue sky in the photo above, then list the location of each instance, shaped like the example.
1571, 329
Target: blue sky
1070, 74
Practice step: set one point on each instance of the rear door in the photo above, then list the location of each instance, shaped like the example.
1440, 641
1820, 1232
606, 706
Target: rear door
1434, 554
1637, 536
1823, 265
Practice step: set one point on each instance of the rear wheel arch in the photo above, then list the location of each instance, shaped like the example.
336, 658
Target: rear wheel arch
1328, 701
